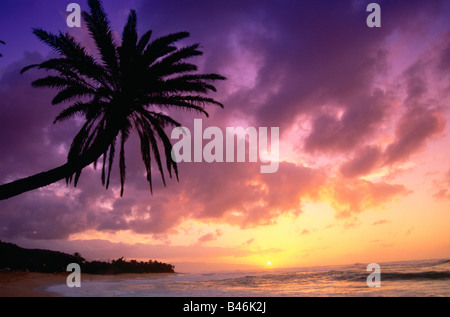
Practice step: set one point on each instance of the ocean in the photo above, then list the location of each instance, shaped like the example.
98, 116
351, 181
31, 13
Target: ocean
397, 279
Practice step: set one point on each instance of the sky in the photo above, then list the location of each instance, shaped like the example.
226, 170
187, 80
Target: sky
363, 173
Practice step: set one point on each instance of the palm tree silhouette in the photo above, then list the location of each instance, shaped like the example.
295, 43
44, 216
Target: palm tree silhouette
128, 89
1, 42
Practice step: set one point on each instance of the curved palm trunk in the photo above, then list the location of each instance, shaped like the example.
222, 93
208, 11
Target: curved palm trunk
33, 182
52, 176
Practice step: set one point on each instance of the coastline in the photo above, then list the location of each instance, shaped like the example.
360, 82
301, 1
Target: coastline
29, 284
427, 278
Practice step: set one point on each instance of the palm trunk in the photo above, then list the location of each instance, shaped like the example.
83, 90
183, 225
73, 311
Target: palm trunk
54, 175
36, 181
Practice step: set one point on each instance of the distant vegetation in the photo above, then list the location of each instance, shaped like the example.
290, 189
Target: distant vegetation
14, 257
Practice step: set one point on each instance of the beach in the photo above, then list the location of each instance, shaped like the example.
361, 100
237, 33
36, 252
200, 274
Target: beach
429, 278
27, 284
30, 284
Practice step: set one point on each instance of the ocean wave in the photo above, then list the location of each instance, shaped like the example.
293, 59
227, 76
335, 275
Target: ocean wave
428, 275
390, 276
442, 262
339, 281
330, 276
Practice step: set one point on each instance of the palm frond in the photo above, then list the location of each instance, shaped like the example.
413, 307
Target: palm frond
122, 166
163, 119
72, 92
64, 44
182, 53
54, 82
167, 146
167, 70
129, 35
162, 46
143, 42
99, 28
69, 112
163, 67
150, 144
186, 84
110, 162
126, 87
190, 103
145, 151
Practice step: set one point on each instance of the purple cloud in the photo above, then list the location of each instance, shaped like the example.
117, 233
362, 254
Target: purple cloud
310, 59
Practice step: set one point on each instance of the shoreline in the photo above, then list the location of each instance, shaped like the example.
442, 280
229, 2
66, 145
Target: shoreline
31, 284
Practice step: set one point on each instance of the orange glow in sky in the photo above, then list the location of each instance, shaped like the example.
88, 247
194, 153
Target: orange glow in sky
363, 116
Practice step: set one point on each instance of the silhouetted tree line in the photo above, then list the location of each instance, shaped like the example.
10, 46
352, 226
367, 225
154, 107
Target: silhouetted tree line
121, 266
14, 257
33, 260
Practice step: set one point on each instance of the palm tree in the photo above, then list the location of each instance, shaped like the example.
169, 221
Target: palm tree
1, 42
127, 89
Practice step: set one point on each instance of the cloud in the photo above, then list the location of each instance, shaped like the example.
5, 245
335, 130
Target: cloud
441, 60
441, 186
412, 132
43, 214
424, 105
380, 222
416, 83
232, 193
367, 159
416, 117
249, 241
442, 194
410, 230
210, 236
305, 232
287, 49
358, 122
238, 194
97, 249
26, 124
305, 59
352, 197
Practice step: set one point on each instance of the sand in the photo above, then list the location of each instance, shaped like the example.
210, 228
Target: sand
25, 284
